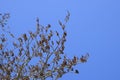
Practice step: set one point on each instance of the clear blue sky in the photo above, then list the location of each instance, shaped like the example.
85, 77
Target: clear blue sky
94, 27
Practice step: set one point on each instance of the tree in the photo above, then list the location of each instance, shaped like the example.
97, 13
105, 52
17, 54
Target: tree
44, 43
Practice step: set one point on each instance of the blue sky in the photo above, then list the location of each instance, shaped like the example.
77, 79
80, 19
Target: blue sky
94, 27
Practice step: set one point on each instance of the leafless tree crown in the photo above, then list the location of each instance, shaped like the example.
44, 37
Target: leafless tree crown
45, 44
